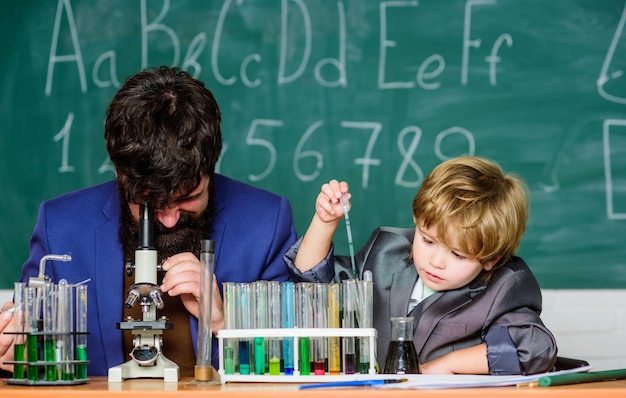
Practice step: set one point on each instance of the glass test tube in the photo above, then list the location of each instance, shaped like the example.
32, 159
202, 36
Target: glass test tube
244, 322
81, 331
32, 349
230, 322
288, 314
275, 321
349, 321
364, 317
304, 319
202, 370
334, 351
49, 327
320, 321
259, 289
19, 296
65, 340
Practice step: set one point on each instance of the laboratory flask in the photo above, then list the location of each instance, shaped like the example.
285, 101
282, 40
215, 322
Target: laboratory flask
401, 356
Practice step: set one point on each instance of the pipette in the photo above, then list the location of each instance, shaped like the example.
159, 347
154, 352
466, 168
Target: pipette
345, 204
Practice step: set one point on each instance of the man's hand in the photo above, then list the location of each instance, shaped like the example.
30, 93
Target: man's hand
7, 324
182, 278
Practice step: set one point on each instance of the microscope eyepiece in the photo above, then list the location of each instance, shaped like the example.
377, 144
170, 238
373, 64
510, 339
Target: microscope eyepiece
146, 235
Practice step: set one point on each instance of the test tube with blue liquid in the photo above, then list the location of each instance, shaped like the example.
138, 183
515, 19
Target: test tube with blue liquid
275, 322
230, 322
259, 289
19, 297
288, 315
244, 322
81, 331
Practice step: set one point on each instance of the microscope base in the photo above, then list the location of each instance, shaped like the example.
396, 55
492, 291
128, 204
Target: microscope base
164, 368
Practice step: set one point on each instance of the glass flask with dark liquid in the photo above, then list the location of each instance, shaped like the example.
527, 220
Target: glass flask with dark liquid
401, 357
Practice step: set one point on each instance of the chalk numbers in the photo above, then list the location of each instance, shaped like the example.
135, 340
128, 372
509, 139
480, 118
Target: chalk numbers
361, 152
64, 137
308, 160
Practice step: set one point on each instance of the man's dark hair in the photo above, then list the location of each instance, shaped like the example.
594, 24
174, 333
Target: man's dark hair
163, 134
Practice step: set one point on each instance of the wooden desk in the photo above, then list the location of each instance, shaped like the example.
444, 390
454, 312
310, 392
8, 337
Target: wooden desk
99, 387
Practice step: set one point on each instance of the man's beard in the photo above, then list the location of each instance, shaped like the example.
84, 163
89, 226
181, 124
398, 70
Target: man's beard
185, 236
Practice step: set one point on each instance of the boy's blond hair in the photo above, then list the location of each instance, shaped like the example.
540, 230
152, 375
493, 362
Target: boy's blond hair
487, 208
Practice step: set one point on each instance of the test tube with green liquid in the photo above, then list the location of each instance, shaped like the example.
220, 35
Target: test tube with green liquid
365, 318
244, 322
49, 320
65, 340
275, 322
81, 331
230, 322
334, 351
19, 292
32, 344
349, 321
259, 289
304, 319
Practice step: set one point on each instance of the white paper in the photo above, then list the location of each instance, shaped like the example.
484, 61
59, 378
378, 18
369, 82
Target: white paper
432, 382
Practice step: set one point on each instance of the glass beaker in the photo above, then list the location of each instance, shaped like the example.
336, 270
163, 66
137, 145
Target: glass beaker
401, 356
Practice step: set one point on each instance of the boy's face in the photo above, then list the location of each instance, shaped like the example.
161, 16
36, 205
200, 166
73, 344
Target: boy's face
442, 267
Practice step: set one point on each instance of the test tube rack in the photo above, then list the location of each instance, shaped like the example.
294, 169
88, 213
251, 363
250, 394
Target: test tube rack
40, 367
296, 333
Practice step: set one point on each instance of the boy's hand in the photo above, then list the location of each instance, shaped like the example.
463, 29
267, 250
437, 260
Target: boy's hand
328, 206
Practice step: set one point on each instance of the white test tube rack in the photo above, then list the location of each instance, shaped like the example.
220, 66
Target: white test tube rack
296, 333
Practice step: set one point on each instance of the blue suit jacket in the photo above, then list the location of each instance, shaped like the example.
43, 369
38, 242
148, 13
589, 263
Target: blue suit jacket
253, 228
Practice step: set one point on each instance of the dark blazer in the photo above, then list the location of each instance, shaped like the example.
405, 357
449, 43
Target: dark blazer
252, 230
450, 320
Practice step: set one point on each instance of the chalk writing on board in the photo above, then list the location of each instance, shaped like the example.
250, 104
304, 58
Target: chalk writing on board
426, 78
609, 134
606, 75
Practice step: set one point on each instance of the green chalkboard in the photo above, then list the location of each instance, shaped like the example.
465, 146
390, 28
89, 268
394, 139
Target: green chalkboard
373, 92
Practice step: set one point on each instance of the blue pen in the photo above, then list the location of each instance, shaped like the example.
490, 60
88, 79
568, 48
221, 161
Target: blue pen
353, 383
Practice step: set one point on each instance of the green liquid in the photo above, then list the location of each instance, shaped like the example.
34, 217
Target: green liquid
81, 355
68, 375
274, 366
305, 365
229, 360
31, 351
364, 367
50, 355
259, 355
18, 355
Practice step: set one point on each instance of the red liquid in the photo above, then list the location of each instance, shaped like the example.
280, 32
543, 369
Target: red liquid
319, 367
